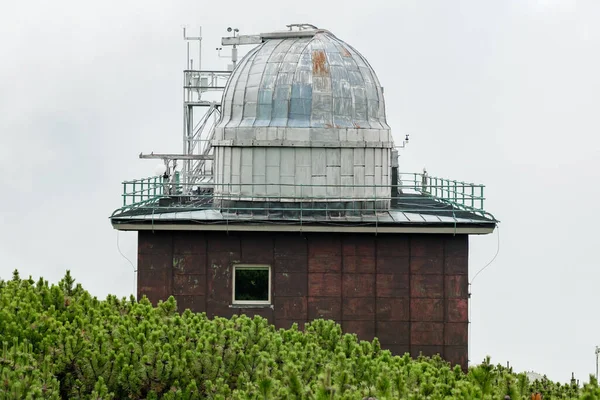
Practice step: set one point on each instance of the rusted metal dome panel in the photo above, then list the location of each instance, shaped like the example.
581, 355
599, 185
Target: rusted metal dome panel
304, 82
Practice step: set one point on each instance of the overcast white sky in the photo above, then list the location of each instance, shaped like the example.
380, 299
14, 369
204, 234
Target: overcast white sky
504, 93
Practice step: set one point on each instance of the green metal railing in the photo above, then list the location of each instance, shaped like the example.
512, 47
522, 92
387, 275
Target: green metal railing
458, 193
449, 195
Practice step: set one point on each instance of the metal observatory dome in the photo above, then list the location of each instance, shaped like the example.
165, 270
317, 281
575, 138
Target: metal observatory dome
303, 120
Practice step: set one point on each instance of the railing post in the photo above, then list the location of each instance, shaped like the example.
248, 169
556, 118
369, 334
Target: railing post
472, 195
455, 194
124, 194
481, 204
133, 201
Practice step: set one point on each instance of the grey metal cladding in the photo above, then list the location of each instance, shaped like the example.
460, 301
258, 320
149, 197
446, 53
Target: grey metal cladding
304, 82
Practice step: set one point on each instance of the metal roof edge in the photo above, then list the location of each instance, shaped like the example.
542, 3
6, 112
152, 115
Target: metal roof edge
482, 229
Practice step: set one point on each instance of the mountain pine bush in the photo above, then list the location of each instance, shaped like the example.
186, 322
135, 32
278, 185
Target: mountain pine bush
59, 342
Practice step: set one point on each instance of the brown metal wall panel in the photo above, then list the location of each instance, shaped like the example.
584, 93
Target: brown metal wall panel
393, 246
456, 246
427, 333
324, 285
154, 284
325, 308
188, 284
219, 308
157, 242
457, 355
288, 284
358, 285
427, 310
431, 286
292, 245
456, 334
324, 253
456, 265
185, 243
290, 264
457, 310
189, 264
257, 249
393, 309
425, 350
219, 242
358, 308
427, 246
358, 254
155, 262
392, 285
393, 264
424, 265
457, 286
193, 303
365, 330
292, 308
409, 290
393, 333
330, 263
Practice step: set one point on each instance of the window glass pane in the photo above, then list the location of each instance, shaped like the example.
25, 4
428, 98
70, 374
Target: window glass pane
251, 284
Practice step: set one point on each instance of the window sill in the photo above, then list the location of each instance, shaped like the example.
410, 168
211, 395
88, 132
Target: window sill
251, 306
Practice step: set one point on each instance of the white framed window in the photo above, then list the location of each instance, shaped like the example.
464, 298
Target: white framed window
251, 284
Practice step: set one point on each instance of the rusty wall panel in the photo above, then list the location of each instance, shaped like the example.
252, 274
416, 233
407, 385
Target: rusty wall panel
427, 246
193, 303
409, 290
219, 242
456, 246
392, 285
324, 253
393, 309
324, 285
427, 310
430, 286
358, 254
456, 265
154, 284
155, 262
358, 308
186, 243
393, 245
457, 286
393, 333
456, 334
393, 264
325, 308
358, 285
257, 249
189, 284
426, 350
365, 330
290, 284
157, 242
457, 355
291, 308
427, 333
426, 265
457, 310
189, 264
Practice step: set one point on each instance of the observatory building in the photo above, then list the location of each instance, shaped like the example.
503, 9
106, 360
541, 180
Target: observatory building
288, 202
